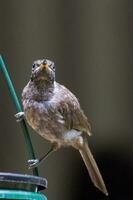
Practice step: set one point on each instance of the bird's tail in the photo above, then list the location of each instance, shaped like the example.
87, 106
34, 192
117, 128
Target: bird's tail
92, 168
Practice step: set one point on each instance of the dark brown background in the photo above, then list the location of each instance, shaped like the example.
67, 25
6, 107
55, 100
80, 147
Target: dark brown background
91, 44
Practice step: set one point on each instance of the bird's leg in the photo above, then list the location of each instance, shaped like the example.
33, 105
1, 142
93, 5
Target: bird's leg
36, 162
19, 116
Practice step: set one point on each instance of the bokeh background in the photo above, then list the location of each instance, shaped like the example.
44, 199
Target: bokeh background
91, 43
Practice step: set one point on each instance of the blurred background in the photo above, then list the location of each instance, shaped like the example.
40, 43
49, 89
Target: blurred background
91, 43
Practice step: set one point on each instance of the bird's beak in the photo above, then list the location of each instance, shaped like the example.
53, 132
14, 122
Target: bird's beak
43, 66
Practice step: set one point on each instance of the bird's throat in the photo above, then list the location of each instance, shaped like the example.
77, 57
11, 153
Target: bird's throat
43, 90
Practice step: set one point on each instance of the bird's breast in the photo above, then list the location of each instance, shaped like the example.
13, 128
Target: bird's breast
34, 112
45, 121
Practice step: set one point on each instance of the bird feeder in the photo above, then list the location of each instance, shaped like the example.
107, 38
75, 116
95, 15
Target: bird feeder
22, 186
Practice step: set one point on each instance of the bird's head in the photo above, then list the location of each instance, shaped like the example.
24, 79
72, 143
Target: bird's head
43, 70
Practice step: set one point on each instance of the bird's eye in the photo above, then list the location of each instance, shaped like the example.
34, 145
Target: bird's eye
33, 66
52, 66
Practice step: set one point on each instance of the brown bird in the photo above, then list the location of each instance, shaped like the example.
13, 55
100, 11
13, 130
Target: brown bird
55, 114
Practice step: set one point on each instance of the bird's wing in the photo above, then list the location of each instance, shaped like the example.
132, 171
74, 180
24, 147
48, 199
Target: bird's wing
73, 115
80, 121
74, 118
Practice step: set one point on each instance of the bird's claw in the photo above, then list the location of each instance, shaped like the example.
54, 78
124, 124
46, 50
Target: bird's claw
33, 163
19, 116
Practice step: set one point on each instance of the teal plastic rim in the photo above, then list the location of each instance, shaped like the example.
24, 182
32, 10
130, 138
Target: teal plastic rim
20, 194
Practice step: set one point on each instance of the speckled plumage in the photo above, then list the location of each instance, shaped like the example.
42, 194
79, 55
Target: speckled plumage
53, 116
55, 113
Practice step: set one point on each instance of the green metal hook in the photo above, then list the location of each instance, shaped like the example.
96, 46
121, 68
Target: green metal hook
19, 109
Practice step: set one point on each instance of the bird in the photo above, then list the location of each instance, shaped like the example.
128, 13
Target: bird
54, 112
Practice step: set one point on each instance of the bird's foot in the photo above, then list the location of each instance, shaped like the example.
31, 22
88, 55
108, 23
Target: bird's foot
33, 163
19, 116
